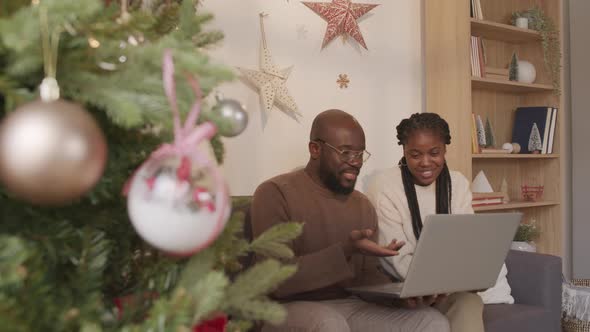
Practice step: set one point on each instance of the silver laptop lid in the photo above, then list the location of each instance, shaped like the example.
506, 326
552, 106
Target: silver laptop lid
460, 253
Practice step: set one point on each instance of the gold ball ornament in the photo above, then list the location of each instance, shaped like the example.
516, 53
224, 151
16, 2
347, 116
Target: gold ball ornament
51, 152
515, 148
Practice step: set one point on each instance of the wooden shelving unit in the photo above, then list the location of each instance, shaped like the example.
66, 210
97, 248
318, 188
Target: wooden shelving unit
452, 92
514, 156
503, 32
514, 206
508, 86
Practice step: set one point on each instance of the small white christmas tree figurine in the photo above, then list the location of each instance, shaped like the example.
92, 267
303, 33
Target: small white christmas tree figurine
489, 131
535, 145
481, 134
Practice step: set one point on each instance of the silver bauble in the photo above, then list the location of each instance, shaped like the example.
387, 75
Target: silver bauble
51, 152
232, 117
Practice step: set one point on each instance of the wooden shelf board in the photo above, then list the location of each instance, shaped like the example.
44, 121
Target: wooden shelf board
514, 205
513, 156
509, 86
502, 32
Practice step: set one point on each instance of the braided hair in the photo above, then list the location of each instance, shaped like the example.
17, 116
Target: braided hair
434, 123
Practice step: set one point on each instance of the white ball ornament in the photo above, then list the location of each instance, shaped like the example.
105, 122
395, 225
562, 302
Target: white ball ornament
177, 204
526, 72
508, 147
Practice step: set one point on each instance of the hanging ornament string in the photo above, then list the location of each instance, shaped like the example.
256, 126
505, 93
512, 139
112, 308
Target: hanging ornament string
274, 73
49, 89
188, 136
262, 15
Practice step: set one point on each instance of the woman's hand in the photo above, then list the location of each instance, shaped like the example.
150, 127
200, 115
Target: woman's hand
423, 301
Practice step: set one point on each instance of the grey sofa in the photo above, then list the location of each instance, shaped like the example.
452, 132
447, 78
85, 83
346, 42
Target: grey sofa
535, 280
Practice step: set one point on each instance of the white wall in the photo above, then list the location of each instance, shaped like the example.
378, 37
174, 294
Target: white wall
386, 81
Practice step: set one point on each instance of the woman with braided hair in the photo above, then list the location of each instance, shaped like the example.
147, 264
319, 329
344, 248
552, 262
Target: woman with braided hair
422, 184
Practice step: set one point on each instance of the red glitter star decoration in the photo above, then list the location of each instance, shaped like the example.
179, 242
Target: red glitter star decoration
341, 16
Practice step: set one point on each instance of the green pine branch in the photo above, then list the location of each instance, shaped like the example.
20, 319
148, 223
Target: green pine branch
259, 279
272, 243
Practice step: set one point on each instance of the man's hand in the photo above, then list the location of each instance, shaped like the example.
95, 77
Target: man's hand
360, 240
422, 301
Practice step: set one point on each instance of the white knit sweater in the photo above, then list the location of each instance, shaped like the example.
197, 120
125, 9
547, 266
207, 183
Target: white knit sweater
386, 192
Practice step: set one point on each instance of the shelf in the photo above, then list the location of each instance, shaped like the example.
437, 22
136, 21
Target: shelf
514, 156
514, 205
502, 32
508, 86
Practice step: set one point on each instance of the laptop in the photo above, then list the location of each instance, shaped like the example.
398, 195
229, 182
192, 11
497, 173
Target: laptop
456, 252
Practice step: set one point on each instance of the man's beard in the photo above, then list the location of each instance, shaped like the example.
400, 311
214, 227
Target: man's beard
333, 182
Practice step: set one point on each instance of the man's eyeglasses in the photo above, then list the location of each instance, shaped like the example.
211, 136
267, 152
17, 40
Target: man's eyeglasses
347, 155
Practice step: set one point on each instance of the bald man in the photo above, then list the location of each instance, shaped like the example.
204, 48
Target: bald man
337, 248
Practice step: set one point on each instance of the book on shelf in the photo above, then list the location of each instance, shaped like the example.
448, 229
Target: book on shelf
528, 120
486, 195
475, 9
474, 144
487, 202
489, 198
493, 151
496, 73
478, 58
552, 131
473, 57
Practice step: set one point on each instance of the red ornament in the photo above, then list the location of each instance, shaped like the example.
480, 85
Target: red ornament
183, 172
204, 199
341, 16
216, 324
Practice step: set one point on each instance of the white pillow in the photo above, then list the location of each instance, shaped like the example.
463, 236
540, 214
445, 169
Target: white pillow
500, 293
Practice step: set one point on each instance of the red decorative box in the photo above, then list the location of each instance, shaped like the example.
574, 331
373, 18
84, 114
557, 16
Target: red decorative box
532, 193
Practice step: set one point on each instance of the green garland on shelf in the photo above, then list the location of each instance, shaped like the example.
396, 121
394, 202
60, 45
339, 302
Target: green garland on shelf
549, 41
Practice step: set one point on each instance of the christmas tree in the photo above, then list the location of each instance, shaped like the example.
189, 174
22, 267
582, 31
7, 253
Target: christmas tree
82, 266
481, 133
513, 68
535, 144
489, 133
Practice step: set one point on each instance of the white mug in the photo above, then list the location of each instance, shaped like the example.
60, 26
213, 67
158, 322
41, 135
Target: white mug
522, 22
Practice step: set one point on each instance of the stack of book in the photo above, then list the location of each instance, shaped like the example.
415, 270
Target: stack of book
485, 199
478, 58
496, 73
475, 9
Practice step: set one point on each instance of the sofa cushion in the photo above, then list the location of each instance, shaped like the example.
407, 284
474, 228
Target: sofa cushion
515, 317
500, 293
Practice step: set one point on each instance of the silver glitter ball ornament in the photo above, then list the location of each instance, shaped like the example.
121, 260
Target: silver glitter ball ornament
233, 118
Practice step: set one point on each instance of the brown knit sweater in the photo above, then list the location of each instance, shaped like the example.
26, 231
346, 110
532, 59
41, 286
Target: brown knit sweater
324, 269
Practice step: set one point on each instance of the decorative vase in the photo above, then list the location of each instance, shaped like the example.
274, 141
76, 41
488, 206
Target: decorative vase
523, 246
522, 22
526, 72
